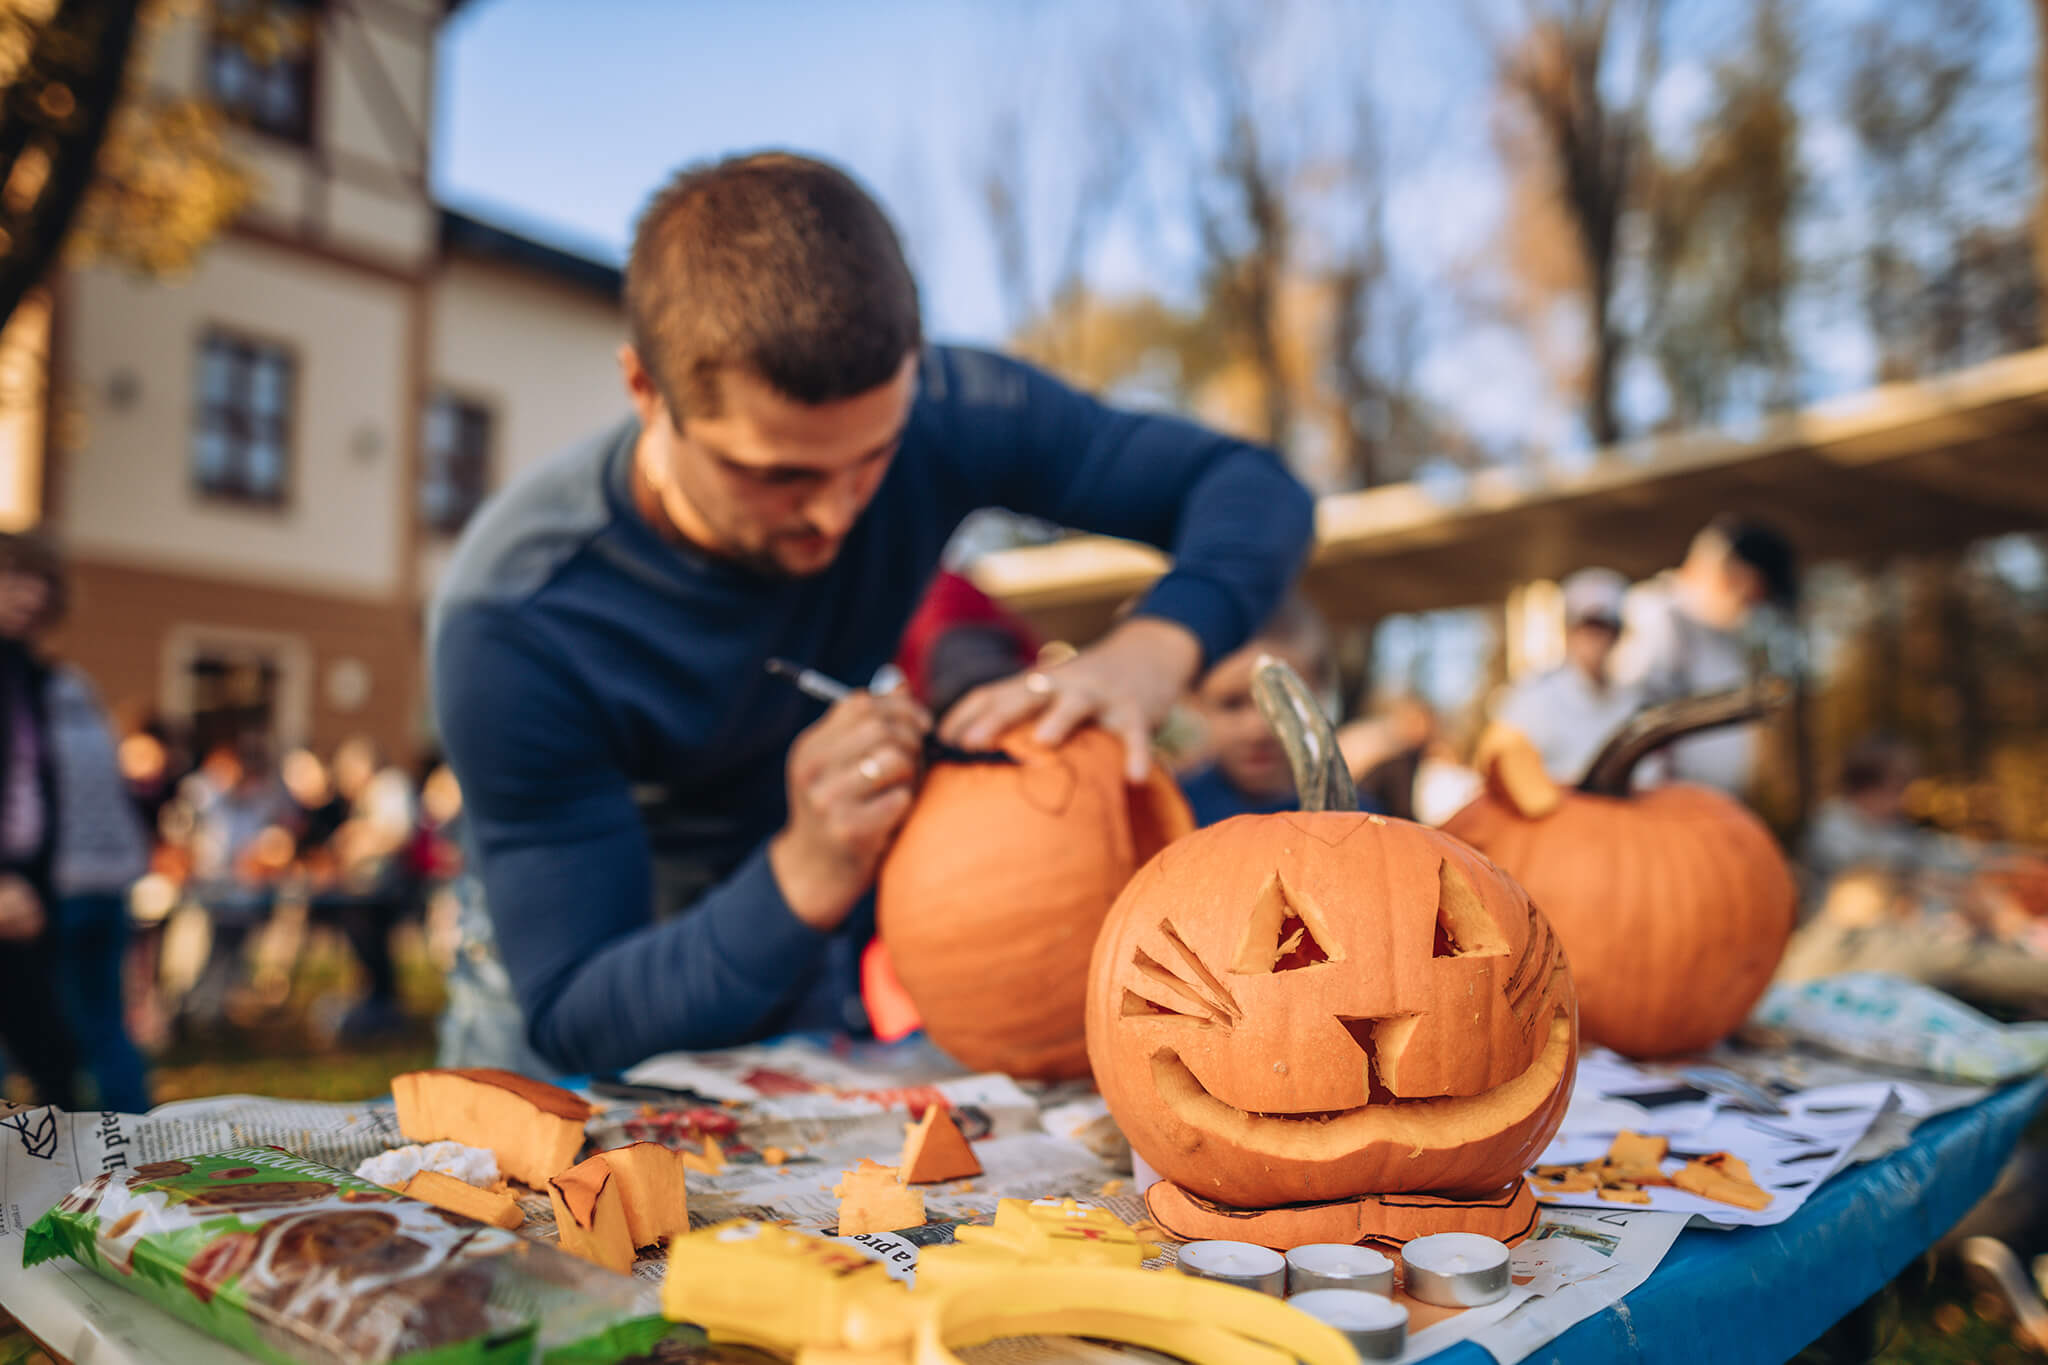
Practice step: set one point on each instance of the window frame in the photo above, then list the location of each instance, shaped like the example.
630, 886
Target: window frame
466, 401
306, 133
250, 343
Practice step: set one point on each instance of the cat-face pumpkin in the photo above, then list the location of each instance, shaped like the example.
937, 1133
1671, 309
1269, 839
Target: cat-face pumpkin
1303, 1007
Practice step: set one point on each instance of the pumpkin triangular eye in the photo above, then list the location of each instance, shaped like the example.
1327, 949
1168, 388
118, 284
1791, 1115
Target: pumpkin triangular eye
1464, 926
1282, 934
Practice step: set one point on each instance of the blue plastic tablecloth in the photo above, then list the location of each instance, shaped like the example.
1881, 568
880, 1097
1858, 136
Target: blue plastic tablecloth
1764, 1294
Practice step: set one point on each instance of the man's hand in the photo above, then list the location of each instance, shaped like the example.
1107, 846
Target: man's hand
1126, 683
21, 910
851, 777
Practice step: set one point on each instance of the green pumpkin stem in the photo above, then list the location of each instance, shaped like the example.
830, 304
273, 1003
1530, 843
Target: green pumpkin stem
1654, 727
1321, 778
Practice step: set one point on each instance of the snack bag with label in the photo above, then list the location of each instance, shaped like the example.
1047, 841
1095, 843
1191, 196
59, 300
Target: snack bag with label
290, 1261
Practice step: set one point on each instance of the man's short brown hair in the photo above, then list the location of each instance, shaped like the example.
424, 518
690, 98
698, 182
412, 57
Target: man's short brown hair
773, 263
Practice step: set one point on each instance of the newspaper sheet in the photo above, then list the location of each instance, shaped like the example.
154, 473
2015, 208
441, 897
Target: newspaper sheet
1790, 1152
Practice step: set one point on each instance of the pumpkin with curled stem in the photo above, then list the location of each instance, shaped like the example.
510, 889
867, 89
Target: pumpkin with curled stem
1675, 904
1317, 1006
990, 898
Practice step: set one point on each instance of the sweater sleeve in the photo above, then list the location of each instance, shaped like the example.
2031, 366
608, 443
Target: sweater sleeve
1237, 523
567, 874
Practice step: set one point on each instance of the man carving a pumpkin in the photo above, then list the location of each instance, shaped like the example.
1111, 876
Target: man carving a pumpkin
675, 848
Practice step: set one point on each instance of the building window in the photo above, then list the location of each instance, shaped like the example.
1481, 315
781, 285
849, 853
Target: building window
241, 445
259, 64
455, 463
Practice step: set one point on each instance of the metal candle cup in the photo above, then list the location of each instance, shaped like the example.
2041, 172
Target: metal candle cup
1376, 1326
1455, 1269
1239, 1263
1338, 1265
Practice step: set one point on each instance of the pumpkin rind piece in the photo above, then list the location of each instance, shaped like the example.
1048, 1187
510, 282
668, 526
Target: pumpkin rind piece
652, 1188
535, 1129
934, 1150
590, 1215
873, 1199
459, 1196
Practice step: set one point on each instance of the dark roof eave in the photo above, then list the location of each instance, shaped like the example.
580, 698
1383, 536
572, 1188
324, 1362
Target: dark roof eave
469, 236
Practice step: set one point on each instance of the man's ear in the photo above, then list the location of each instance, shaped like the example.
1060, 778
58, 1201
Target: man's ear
641, 390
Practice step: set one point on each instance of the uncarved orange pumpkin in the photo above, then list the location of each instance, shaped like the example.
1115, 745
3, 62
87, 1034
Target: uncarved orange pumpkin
1319, 1006
990, 899
1674, 905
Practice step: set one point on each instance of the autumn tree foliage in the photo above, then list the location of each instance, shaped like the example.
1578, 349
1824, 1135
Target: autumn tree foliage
94, 167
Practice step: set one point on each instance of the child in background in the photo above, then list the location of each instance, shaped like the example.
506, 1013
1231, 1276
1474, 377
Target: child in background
1248, 772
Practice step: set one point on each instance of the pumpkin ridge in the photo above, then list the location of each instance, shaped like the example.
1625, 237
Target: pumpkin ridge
1325, 1136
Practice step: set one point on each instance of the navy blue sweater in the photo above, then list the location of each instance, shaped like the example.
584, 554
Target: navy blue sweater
602, 697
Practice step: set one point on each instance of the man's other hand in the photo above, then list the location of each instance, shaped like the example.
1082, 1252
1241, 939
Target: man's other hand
1126, 683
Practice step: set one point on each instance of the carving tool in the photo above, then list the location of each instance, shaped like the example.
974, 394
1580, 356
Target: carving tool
817, 686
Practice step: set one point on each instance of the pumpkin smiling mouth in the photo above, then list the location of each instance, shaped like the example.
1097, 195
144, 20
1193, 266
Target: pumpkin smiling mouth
1442, 1121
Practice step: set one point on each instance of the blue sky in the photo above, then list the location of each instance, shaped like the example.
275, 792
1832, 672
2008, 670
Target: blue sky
559, 120
563, 128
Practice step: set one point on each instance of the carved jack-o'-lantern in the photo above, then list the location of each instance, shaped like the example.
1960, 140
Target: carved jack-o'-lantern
991, 896
1675, 904
1323, 1005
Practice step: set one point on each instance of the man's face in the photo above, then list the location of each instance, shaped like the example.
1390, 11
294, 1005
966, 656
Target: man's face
1246, 751
1590, 645
771, 483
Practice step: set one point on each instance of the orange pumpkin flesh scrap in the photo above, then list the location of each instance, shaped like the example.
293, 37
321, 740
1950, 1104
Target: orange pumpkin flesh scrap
934, 1150
1312, 1007
590, 1215
1675, 905
651, 1185
533, 1128
995, 887
873, 1199
457, 1196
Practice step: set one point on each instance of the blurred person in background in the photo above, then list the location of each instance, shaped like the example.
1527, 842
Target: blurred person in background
372, 885
101, 851
1569, 712
1865, 828
1686, 636
1247, 772
244, 835
33, 1021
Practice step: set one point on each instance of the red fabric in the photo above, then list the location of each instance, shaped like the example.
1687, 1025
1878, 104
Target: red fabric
952, 600
891, 1012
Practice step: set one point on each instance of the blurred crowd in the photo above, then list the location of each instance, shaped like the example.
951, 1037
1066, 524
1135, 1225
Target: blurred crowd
136, 873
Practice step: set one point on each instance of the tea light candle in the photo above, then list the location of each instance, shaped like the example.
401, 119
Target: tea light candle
1376, 1326
1455, 1269
1239, 1263
1338, 1265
